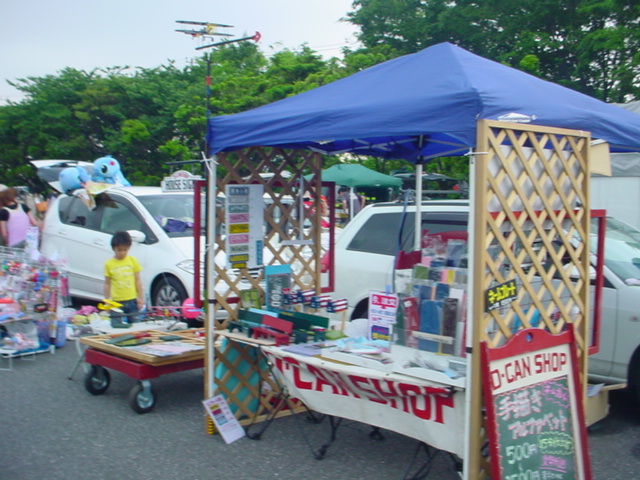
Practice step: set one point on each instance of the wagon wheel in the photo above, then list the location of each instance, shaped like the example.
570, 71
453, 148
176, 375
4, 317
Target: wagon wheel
142, 398
97, 380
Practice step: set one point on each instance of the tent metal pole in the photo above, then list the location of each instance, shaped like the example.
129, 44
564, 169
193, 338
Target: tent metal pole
210, 248
418, 220
352, 196
301, 193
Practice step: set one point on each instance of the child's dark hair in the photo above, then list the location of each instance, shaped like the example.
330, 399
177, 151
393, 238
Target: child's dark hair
121, 238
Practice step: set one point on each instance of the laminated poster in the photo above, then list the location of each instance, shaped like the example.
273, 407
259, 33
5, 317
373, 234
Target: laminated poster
244, 217
226, 423
383, 309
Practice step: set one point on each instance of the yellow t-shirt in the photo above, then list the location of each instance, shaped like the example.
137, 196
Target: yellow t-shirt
123, 279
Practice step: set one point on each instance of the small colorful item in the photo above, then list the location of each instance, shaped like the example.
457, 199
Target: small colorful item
320, 301
304, 296
108, 304
336, 306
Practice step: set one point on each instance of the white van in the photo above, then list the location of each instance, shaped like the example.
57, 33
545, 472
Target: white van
364, 259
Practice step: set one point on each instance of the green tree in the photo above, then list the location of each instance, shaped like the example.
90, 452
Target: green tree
588, 45
147, 117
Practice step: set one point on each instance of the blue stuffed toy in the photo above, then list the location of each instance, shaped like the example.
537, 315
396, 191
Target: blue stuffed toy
107, 170
73, 178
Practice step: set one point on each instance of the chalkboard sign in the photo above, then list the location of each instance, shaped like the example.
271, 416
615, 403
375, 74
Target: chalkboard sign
535, 414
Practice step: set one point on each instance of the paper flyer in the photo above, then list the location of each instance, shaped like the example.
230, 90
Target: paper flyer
225, 422
383, 309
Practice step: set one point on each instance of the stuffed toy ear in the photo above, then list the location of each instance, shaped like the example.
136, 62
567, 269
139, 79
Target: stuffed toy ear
72, 178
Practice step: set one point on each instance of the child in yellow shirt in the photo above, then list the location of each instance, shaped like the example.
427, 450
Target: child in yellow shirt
122, 282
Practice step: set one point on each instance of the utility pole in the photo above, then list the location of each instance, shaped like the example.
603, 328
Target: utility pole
209, 31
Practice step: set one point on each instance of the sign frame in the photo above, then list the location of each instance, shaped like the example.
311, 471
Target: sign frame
532, 348
180, 181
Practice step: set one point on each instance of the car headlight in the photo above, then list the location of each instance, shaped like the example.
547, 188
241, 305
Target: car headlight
189, 266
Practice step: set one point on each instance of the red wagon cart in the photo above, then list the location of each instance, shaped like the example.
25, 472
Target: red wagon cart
142, 357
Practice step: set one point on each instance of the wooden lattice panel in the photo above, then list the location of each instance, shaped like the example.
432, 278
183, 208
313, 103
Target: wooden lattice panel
531, 229
535, 231
242, 375
285, 242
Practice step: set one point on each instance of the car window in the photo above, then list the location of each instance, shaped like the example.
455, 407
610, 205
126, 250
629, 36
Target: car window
621, 248
174, 213
74, 212
116, 217
380, 232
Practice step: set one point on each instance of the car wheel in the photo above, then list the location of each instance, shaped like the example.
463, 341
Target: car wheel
634, 374
361, 310
168, 292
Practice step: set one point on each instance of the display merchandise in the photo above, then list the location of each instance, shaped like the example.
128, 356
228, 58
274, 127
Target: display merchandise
33, 295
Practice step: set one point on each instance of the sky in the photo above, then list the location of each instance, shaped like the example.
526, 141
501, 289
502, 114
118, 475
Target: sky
42, 37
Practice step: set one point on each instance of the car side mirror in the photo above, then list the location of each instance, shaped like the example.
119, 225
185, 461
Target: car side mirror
137, 236
575, 273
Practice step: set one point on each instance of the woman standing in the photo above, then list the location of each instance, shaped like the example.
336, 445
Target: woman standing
15, 219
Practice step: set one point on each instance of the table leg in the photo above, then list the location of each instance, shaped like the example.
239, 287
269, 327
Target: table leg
422, 472
80, 348
283, 399
335, 424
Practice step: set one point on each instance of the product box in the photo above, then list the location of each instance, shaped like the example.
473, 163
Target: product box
597, 405
8, 306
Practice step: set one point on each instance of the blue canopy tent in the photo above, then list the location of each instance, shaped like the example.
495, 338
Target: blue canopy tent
422, 106
418, 107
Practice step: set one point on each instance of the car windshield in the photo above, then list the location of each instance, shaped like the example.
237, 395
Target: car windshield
622, 248
174, 212
380, 233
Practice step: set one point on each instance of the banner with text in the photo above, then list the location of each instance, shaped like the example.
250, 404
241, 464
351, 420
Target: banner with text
426, 411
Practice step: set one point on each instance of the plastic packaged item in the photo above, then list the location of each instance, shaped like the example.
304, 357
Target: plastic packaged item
43, 333
456, 250
61, 333
22, 335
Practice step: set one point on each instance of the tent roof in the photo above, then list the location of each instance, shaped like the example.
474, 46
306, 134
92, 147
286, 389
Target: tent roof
355, 175
420, 106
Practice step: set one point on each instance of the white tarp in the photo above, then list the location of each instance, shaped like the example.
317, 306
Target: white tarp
420, 409
616, 193
626, 164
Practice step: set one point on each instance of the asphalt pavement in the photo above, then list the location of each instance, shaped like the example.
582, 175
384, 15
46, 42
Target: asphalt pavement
52, 428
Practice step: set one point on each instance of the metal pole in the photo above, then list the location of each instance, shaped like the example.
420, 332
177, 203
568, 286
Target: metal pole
417, 243
210, 325
207, 57
210, 266
418, 220
352, 194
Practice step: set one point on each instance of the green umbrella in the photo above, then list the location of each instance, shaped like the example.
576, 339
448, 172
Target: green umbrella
354, 175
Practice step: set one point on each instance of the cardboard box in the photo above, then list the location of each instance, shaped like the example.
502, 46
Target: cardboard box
597, 406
